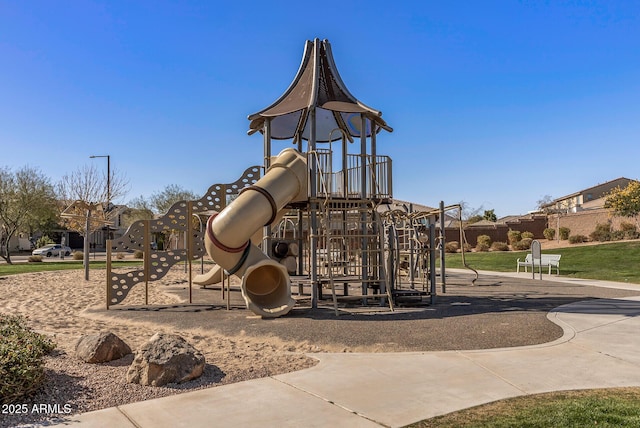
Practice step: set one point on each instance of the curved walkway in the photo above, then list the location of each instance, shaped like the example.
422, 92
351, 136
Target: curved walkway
599, 349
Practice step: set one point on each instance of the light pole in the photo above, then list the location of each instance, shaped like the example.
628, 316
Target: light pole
108, 177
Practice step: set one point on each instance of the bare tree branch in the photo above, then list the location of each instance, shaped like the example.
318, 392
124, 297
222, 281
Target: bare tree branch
89, 185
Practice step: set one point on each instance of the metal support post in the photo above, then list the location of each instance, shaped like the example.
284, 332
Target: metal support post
432, 263
189, 233
146, 264
85, 258
108, 281
443, 275
313, 241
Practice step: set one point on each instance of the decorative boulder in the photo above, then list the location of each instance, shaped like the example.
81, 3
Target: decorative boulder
101, 347
165, 358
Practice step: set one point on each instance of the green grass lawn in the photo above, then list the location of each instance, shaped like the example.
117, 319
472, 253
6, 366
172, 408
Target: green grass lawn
616, 261
615, 407
16, 268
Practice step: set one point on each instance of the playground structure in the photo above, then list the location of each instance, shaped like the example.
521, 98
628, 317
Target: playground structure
320, 218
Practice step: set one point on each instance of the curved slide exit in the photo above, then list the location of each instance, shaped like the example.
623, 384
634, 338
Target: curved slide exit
266, 287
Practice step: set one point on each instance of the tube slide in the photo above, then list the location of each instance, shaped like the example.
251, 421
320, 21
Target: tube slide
266, 287
214, 276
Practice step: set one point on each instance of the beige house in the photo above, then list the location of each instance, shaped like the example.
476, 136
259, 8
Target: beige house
590, 198
582, 211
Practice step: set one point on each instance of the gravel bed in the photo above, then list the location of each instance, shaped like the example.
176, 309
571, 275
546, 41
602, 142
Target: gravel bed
72, 386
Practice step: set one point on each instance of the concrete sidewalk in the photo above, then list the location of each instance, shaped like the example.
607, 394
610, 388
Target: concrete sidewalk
599, 349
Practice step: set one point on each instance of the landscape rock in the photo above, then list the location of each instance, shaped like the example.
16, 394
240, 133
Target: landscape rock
101, 347
165, 358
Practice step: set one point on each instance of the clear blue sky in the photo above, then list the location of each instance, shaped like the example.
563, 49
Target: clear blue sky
495, 103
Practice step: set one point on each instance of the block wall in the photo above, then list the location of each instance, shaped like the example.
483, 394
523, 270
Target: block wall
584, 222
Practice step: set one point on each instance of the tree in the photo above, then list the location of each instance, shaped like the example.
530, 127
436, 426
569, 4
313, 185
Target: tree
87, 196
490, 215
162, 201
87, 184
27, 200
468, 214
138, 209
542, 202
625, 202
474, 219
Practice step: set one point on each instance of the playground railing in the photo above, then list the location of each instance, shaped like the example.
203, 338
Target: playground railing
349, 183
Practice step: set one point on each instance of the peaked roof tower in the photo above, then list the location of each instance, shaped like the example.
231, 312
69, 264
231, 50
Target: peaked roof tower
317, 88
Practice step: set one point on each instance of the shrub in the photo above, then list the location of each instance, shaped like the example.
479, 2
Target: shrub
523, 244
483, 243
577, 239
632, 235
482, 247
625, 226
514, 236
21, 352
138, 254
617, 235
34, 259
119, 255
500, 246
602, 233
564, 233
484, 240
467, 247
78, 255
451, 247
527, 235
630, 230
549, 233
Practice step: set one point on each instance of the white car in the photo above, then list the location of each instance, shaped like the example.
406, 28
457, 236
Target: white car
51, 250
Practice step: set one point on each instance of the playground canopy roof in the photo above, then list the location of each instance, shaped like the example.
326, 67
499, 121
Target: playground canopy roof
317, 85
